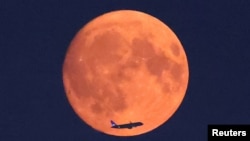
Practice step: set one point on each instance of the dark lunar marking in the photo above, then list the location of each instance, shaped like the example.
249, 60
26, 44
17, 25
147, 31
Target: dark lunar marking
177, 71
69, 92
133, 63
104, 47
158, 64
96, 107
77, 79
142, 48
175, 49
166, 88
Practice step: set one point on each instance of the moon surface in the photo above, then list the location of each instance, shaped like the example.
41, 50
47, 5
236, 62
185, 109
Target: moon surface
126, 66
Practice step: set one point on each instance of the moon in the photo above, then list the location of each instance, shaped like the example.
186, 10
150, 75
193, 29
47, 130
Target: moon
126, 66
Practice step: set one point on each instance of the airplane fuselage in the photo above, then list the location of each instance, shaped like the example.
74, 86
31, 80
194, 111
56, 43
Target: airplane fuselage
128, 126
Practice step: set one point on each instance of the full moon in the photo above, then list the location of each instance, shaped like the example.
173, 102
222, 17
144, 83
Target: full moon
126, 66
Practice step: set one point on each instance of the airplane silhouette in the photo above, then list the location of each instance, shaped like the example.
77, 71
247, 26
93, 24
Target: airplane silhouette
129, 125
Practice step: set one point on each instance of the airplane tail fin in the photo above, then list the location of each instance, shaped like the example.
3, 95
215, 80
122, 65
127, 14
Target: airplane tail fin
113, 123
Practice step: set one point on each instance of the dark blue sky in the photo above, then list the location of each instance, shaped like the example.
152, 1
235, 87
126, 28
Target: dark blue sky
34, 37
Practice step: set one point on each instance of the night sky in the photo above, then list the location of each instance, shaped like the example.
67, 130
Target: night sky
34, 37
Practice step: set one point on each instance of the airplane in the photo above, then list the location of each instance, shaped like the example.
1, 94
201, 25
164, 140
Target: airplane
129, 125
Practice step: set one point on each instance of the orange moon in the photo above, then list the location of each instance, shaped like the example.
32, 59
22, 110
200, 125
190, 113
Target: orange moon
125, 66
